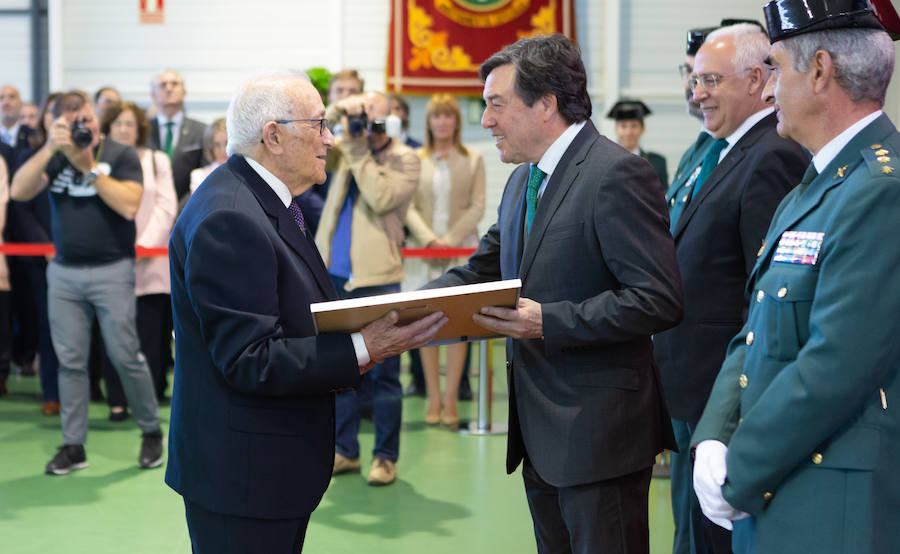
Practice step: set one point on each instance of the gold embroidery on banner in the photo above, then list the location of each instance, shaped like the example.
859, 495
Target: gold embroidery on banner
430, 48
542, 23
490, 16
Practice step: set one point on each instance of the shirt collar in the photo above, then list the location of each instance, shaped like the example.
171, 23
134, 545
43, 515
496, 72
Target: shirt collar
551, 157
177, 119
835, 145
12, 131
276, 184
748, 124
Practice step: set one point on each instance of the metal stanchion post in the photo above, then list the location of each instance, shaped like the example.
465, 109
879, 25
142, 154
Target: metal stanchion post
483, 425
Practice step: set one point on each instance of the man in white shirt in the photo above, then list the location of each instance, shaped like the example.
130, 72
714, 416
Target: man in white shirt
172, 132
718, 219
801, 432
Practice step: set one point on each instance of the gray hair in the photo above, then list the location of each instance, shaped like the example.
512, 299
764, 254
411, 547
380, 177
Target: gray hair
155, 80
863, 59
258, 100
751, 44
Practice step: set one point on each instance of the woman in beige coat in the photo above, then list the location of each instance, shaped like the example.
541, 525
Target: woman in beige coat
445, 213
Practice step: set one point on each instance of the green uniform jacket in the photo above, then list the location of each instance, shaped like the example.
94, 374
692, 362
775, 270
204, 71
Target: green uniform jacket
685, 174
808, 398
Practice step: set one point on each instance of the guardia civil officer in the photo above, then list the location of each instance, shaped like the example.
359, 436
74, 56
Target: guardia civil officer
799, 442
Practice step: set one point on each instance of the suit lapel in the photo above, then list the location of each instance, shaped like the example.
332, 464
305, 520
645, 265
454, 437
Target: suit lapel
154, 133
565, 174
283, 223
799, 203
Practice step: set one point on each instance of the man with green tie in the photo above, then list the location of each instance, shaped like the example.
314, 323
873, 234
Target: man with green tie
172, 132
799, 442
718, 221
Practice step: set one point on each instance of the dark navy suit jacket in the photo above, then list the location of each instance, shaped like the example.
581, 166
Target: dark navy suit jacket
252, 425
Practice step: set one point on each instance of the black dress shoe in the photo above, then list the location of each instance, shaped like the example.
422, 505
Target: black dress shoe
465, 391
118, 416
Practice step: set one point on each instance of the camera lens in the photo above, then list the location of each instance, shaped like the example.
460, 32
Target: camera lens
81, 135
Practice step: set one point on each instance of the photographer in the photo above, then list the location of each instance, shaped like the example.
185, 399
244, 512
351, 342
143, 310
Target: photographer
95, 190
359, 236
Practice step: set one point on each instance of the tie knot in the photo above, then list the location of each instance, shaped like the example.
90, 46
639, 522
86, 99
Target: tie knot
535, 176
169, 124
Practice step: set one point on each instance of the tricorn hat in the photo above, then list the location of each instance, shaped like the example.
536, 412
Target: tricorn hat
695, 38
788, 18
628, 109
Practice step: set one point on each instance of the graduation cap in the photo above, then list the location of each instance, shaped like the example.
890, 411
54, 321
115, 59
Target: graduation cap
628, 109
788, 18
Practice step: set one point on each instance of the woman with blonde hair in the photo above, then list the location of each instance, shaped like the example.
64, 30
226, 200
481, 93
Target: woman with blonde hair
445, 213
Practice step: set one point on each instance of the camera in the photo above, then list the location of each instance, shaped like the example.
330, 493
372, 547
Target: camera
81, 135
357, 124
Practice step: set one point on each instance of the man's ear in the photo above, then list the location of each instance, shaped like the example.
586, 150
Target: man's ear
271, 137
548, 105
821, 70
757, 80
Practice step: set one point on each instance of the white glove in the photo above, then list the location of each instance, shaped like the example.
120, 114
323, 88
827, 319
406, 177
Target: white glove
709, 476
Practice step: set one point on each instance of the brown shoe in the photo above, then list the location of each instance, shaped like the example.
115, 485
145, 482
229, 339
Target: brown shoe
383, 472
343, 464
50, 408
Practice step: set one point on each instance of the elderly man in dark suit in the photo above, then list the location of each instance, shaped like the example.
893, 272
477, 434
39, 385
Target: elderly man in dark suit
729, 199
583, 225
801, 432
251, 442
173, 132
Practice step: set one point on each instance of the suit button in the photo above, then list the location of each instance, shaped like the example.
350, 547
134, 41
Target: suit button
749, 339
782, 292
768, 496
740, 420
508, 364
672, 201
743, 381
817, 458
760, 295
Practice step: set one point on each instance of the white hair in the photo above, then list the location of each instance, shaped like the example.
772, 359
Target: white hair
863, 59
258, 100
751, 44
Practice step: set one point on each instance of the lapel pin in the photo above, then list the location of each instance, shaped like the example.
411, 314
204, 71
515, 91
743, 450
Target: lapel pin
761, 249
841, 170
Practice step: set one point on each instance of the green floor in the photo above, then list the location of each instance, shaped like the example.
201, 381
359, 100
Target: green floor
452, 494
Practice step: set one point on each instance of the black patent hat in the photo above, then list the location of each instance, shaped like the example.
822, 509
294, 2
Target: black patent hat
628, 109
788, 18
695, 38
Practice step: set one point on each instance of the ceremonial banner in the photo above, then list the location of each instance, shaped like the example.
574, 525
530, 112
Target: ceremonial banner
438, 45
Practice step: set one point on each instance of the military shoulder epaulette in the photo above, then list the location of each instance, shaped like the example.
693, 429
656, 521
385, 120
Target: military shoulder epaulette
881, 160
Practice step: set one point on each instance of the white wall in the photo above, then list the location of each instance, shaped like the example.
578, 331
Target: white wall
215, 45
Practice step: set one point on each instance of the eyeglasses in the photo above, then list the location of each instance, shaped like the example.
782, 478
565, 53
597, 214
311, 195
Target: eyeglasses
684, 70
710, 81
320, 121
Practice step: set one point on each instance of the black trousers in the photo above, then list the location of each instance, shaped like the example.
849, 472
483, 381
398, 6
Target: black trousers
153, 312
596, 518
215, 533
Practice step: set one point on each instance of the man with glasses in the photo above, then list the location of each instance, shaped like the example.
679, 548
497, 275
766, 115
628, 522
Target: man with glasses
251, 439
360, 237
718, 216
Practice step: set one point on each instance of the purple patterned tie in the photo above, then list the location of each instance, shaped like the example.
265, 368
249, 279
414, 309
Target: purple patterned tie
297, 215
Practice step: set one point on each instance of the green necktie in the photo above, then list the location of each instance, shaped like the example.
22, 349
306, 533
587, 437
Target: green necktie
710, 161
808, 177
535, 178
170, 143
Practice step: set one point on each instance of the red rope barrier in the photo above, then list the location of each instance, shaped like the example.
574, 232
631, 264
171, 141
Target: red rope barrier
42, 249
